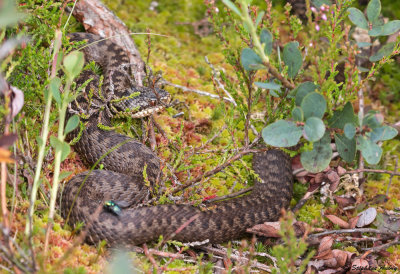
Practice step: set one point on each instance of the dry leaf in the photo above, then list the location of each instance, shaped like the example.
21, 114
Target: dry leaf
324, 249
334, 178
337, 221
341, 257
366, 217
353, 222
5, 156
341, 171
8, 140
345, 201
267, 229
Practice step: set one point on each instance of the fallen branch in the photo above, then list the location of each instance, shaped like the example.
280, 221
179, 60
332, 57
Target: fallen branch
240, 259
393, 173
220, 85
354, 230
200, 92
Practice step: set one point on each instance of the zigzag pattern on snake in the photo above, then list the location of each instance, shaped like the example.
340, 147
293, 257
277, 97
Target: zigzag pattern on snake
122, 181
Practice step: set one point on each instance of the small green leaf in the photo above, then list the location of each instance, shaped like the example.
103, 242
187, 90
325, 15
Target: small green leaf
232, 6
386, 50
60, 146
363, 44
347, 148
64, 174
314, 129
319, 157
297, 114
270, 85
73, 64
259, 17
373, 10
383, 133
342, 117
319, 3
387, 29
349, 131
292, 58
373, 119
250, 60
313, 105
72, 123
357, 17
370, 151
266, 39
39, 141
302, 90
55, 84
281, 134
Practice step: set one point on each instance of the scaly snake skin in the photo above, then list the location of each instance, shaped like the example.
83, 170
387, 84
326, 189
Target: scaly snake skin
122, 181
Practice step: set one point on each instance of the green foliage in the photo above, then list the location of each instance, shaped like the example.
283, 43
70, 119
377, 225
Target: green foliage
292, 58
313, 100
291, 250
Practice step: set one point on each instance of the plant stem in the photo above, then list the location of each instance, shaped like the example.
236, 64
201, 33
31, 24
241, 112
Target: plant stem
57, 163
45, 133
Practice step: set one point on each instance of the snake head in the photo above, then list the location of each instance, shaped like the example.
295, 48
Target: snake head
142, 101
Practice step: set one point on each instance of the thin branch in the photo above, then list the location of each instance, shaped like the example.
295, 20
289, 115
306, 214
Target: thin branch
382, 247
200, 92
237, 258
212, 172
232, 195
354, 230
220, 85
393, 173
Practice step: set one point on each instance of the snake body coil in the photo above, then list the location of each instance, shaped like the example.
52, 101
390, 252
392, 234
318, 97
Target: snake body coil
122, 180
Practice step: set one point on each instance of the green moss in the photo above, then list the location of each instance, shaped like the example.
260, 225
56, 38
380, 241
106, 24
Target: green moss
311, 212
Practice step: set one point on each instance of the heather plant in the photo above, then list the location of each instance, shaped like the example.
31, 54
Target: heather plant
320, 107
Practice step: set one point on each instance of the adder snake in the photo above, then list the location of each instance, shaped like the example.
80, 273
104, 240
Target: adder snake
122, 180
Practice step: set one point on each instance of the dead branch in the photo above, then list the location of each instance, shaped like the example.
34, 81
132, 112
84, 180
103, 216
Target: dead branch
354, 230
393, 173
200, 92
98, 19
240, 259
220, 85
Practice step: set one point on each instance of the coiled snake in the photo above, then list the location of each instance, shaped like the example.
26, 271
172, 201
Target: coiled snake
122, 180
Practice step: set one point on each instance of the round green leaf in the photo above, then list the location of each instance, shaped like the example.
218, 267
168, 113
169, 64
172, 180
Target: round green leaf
319, 3
314, 129
347, 148
319, 157
371, 152
270, 85
349, 131
386, 50
55, 84
73, 63
357, 17
373, 10
383, 133
387, 29
250, 60
373, 119
297, 114
302, 90
292, 58
266, 39
342, 117
281, 134
72, 123
313, 105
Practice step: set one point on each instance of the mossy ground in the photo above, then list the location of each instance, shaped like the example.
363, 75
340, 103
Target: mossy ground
180, 57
